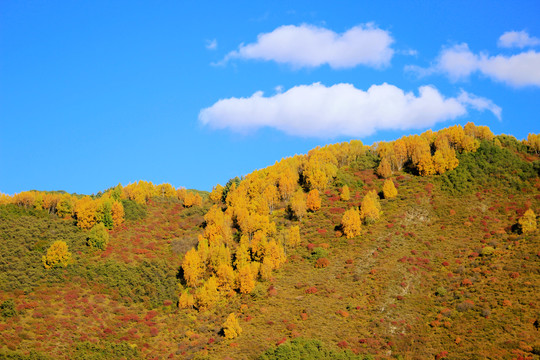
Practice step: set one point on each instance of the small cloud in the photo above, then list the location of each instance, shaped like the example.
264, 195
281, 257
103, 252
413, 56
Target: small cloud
408, 52
279, 89
480, 103
312, 46
340, 110
519, 39
459, 62
211, 44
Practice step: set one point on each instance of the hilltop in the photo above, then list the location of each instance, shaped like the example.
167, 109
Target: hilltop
424, 247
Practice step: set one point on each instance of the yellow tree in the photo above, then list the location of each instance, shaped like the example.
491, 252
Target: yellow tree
217, 193
186, 300
294, 236
389, 189
528, 221
533, 141
246, 279
86, 211
193, 268
400, 154
345, 193
275, 254
57, 255
231, 327
384, 170
370, 209
207, 295
287, 182
351, 223
298, 204
225, 277
118, 213
270, 196
166, 190
313, 201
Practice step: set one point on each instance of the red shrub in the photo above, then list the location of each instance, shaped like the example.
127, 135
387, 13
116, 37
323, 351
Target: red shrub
311, 290
322, 263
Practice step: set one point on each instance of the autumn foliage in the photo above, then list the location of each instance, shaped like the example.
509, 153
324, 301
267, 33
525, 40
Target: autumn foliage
528, 221
313, 201
231, 327
351, 223
389, 189
57, 255
370, 210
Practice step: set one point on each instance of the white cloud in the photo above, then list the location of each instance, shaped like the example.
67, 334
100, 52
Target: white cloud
211, 44
312, 46
518, 39
458, 63
479, 103
319, 111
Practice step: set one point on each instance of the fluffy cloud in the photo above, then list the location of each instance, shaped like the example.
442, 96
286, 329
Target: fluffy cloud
312, 46
518, 39
458, 62
319, 111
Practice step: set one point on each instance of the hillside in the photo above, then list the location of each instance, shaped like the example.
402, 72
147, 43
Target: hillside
449, 268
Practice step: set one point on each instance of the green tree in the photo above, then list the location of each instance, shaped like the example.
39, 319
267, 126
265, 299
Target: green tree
98, 237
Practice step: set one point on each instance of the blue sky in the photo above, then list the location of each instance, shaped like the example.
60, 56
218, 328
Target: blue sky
97, 93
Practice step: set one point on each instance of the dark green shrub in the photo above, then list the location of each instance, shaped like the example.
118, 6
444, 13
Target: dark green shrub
307, 350
133, 211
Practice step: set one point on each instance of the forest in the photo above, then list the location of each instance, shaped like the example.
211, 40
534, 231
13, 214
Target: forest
425, 247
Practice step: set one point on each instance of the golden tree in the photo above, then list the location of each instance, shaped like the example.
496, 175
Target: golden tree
86, 212
384, 170
207, 295
192, 199
294, 236
528, 221
246, 279
351, 223
345, 193
313, 201
57, 255
217, 193
370, 209
193, 268
298, 204
533, 141
287, 182
225, 277
389, 189
231, 327
186, 300
118, 213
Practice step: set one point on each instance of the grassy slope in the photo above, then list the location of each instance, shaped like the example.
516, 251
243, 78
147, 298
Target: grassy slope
413, 285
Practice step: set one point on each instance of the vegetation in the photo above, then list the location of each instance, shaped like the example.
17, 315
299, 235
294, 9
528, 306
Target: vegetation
443, 264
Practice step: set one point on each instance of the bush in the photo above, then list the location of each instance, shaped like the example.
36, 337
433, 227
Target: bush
98, 237
308, 350
490, 164
322, 263
7, 309
318, 253
133, 211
